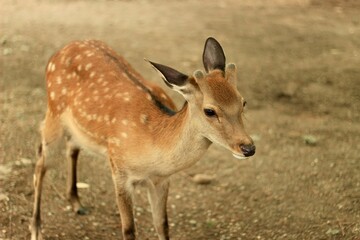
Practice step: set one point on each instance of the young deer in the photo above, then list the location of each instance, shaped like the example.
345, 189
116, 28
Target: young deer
102, 104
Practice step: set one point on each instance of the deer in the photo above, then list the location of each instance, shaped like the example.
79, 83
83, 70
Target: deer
99, 103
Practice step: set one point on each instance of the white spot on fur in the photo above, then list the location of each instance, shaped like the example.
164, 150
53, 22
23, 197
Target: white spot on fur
163, 96
88, 66
63, 91
125, 75
52, 95
78, 57
124, 135
53, 67
143, 118
79, 68
67, 61
125, 122
58, 80
92, 74
148, 96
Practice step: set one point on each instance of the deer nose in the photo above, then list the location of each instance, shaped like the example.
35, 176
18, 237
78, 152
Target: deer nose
248, 150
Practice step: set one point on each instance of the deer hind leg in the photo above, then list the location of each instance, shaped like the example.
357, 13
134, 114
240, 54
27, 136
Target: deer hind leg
123, 191
51, 130
72, 154
158, 192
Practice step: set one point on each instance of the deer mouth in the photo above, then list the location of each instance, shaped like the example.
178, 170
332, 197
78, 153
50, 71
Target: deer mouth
240, 156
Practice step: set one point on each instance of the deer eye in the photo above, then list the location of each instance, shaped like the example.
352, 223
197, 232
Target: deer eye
210, 112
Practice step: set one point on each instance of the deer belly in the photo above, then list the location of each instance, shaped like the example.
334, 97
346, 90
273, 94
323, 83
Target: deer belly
81, 137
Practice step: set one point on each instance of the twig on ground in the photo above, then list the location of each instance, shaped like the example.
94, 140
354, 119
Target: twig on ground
341, 226
57, 191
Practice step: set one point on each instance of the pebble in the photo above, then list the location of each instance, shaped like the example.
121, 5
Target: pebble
203, 179
7, 51
309, 140
82, 185
192, 222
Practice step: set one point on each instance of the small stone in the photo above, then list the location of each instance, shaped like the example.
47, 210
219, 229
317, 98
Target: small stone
309, 140
192, 222
25, 161
203, 179
82, 185
332, 232
7, 51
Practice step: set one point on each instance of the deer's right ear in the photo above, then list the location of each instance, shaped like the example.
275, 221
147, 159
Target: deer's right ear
171, 77
213, 55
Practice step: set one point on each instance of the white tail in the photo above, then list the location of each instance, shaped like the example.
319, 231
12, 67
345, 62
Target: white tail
99, 102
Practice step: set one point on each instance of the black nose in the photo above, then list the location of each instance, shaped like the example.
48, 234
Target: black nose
248, 150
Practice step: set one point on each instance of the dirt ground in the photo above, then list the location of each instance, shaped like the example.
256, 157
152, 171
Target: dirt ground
299, 67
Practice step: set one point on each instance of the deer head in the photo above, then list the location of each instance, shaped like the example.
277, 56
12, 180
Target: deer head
215, 103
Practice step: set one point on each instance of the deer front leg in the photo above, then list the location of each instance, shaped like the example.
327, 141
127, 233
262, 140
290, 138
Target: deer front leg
40, 169
72, 154
158, 193
123, 191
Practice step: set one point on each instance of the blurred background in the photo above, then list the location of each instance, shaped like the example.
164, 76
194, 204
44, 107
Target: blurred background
299, 70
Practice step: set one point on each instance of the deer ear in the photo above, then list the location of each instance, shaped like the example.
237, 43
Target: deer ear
172, 77
213, 55
230, 73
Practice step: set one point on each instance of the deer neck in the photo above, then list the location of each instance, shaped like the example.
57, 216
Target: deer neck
180, 136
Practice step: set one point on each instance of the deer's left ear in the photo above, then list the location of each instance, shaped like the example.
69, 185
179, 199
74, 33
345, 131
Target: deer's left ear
174, 79
171, 77
213, 55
